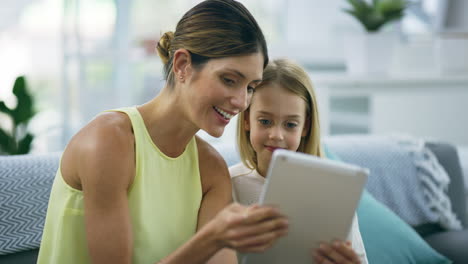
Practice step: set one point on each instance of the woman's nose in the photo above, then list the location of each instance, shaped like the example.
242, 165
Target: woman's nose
241, 99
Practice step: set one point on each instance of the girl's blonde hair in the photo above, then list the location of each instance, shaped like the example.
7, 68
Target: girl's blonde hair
290, 76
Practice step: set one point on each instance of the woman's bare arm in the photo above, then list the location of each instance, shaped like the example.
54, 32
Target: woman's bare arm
99, 161
217, 192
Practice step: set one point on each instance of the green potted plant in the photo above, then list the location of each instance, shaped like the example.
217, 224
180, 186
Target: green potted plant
373, 15
17, 140
371, 52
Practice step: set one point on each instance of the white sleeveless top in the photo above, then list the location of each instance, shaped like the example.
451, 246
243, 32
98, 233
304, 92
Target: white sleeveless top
247, 185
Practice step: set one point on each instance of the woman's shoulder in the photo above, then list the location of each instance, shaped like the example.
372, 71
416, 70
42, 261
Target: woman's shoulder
213, 168
107, 130
106, 141
207, 154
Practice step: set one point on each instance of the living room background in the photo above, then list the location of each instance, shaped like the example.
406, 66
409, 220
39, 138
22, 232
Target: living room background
84, 56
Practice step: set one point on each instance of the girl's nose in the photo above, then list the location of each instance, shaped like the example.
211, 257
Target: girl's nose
276, 133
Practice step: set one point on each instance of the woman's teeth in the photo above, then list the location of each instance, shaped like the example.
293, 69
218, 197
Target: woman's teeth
223, 113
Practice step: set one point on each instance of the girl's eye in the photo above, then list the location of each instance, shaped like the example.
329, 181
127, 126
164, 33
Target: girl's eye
250, 89
264, 122
291, 125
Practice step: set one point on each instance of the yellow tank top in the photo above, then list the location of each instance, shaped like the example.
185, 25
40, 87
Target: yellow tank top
164, 200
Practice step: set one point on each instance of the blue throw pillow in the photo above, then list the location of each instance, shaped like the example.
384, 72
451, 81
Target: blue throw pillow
387, 238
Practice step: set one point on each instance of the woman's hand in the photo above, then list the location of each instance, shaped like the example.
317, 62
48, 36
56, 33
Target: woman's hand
249, 229
338, 252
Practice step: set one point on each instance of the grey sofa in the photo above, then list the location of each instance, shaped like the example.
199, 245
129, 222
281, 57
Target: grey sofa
30, 176
452, 244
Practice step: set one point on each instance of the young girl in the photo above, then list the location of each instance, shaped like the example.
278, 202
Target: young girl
283, 115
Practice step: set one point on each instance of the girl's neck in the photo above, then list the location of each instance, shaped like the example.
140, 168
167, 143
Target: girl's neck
261, 170
167, 124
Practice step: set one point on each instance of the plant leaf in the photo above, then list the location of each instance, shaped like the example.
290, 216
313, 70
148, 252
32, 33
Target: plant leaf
361, 6
377, 13
24, 109
24, 145
4, 108
391, 5
6, 142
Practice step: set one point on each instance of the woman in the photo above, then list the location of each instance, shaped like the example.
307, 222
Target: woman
136, 185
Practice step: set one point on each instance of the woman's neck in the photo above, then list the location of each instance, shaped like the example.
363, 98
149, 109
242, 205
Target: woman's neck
167, 124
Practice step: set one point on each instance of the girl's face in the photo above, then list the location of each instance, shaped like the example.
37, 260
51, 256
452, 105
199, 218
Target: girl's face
220, 90
276, 120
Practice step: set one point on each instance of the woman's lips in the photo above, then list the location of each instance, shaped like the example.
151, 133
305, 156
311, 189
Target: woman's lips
221, 118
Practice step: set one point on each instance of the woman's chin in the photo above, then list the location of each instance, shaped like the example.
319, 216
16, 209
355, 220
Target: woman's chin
217, 132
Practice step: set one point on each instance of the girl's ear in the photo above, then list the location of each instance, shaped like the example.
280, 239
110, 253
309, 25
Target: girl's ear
247, 120
182, 64
306, 127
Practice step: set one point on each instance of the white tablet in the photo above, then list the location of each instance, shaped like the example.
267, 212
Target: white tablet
319, 196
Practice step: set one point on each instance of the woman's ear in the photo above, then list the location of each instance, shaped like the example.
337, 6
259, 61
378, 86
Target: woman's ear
181, 64
246, 120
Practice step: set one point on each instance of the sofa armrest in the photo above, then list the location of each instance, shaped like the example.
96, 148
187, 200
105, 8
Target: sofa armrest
448, 157
23, 257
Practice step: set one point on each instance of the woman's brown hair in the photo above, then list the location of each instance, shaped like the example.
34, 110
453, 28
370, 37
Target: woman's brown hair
213, 29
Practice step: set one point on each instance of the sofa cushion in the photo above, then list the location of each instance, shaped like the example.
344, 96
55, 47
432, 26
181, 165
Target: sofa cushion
388, 239
404, 175
25, 183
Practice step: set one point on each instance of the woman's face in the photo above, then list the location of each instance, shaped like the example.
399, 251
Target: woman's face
220, 90
276, 120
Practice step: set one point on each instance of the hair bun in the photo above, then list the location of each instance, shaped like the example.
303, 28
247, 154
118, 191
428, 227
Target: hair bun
164, 45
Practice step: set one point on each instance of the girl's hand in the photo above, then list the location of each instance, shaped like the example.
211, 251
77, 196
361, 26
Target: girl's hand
249, 229
338, 252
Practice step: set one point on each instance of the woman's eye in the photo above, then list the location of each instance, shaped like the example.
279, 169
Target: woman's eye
228, 81
250, 89
264, 122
